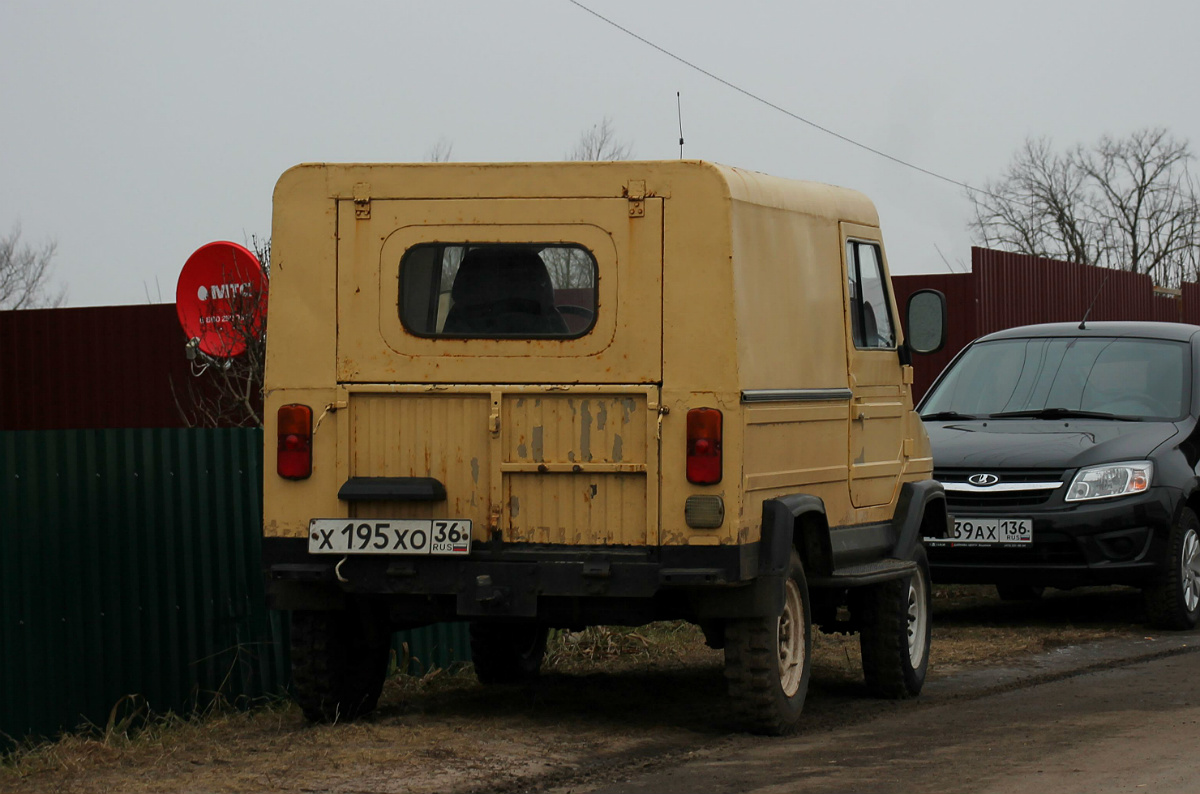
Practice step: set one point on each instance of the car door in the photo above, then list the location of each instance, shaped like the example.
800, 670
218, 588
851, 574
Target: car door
877, 405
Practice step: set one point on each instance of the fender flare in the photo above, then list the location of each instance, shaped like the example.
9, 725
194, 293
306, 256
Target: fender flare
779, 535
920, 512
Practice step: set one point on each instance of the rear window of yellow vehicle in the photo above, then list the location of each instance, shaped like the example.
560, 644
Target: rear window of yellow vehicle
498, 291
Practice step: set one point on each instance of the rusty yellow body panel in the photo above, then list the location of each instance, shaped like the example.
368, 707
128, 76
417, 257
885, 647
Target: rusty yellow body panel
656, 390
562, 465
714, 287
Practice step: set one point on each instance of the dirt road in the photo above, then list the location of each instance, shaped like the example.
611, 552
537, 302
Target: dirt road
1017, 691
1131, 727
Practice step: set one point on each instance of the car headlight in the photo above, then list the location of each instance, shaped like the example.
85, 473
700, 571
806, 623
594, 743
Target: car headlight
1111, 479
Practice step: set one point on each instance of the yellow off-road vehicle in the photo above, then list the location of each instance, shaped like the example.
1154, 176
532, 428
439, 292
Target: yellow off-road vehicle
553, 395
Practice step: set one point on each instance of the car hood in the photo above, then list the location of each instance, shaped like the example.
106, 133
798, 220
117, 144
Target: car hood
1042, 443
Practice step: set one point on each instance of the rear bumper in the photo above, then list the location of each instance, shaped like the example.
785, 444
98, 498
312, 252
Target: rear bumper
563, 585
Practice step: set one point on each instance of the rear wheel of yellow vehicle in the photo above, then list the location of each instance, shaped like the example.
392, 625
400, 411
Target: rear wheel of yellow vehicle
894, 632
768, 661
337, 666
507, 653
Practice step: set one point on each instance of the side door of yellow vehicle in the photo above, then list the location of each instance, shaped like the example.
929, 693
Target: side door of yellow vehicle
877, 404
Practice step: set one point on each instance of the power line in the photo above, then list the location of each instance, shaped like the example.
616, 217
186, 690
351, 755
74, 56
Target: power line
773, 106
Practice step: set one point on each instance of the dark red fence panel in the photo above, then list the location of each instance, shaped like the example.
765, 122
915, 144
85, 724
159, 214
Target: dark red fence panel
100, 367
1014, 289
1168, 306
959, 289
1189, 304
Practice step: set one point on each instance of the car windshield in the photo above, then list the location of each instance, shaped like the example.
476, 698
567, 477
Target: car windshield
1057, 377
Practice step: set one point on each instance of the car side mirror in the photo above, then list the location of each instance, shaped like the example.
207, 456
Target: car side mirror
926, 313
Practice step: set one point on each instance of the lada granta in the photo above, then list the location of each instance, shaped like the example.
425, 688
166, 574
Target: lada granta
1069, 456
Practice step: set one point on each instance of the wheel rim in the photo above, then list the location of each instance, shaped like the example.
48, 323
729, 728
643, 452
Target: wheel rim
791, 640
1190, 573
918, 618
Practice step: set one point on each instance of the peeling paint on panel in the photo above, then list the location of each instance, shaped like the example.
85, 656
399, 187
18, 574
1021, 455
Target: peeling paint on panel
571, 455
670, 538
602, 415
514, 506
538, 449
617, 451
475, 470
585, 434
522, 450
628, 406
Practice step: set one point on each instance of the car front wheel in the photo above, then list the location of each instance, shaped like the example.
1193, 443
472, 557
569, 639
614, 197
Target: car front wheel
1173, 600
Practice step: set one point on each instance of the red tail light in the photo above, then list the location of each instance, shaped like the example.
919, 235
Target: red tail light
294, 458
704, 446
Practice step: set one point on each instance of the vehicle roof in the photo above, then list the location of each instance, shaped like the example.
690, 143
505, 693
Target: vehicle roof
1151, 330
584, 179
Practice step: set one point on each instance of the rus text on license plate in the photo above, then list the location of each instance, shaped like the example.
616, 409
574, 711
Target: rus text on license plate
394, 536
992, 530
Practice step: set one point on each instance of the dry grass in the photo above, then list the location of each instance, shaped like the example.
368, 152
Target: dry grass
603, 689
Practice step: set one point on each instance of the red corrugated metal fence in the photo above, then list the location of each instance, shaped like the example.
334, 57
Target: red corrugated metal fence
1004, 290
101, 367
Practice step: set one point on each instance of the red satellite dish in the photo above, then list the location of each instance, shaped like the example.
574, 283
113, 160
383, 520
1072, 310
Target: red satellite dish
221, 298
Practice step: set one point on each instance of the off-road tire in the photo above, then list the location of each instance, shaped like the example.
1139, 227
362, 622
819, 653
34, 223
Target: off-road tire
337, 671
1173, 600
894, 629
768, 661
1019, 592
507, 653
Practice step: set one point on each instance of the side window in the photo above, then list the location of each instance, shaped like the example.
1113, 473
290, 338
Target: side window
870, 313
498, 290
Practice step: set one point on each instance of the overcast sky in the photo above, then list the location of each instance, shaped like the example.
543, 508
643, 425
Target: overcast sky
134, 132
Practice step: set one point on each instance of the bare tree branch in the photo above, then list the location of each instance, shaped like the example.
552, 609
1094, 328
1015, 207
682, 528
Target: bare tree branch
440, 152
599, 142
25, 274
1126, 203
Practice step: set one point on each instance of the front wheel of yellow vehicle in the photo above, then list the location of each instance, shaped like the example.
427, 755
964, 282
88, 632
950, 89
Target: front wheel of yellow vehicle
894, 632
768, 661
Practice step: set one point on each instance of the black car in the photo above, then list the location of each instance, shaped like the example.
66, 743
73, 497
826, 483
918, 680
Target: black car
1069, 455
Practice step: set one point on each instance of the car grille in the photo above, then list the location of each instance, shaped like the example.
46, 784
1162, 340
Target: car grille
1011, 495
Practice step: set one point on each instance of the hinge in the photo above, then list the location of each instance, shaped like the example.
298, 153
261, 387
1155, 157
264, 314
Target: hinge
494, 418
636, 193
362, 200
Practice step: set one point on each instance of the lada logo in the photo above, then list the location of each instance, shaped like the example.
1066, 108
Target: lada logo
983, 479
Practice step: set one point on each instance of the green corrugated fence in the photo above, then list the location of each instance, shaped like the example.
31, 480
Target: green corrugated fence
130, 566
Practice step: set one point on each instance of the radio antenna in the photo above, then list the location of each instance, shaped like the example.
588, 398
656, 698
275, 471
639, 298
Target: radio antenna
1083, 322
679, 113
